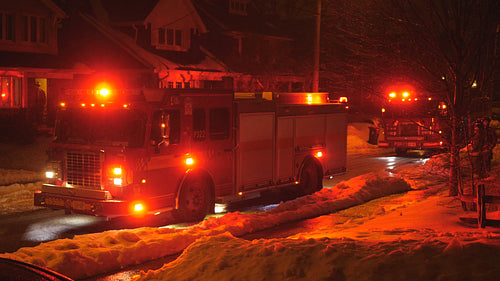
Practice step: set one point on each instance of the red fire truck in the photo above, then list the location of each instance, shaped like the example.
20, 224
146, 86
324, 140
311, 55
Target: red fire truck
119, 153
413, 122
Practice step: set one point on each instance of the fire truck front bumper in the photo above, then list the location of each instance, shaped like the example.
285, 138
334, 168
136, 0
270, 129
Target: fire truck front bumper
59, 197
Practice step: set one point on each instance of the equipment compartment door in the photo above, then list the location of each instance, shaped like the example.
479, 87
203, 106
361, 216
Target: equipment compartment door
255, 159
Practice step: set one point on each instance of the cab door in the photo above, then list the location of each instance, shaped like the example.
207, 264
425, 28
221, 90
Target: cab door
212, 137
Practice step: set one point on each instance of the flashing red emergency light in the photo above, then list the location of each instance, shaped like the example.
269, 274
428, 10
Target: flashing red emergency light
103, 92
189, 161
138, 207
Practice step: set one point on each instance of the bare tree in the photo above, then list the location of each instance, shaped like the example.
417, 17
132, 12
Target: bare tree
449, 47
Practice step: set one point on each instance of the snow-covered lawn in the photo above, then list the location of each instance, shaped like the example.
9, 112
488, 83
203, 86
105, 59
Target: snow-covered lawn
412, 232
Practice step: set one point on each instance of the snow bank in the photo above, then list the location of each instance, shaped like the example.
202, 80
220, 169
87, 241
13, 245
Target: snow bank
330, 259
17, 198
357, 139
92, 254
9, 176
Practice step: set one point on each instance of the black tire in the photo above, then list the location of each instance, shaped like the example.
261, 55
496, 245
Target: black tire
195, 200
310, 178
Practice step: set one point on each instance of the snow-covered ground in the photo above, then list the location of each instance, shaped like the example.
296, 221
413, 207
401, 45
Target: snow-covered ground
411, 232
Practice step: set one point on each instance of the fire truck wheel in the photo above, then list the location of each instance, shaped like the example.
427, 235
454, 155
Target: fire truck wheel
310, 178
196, 199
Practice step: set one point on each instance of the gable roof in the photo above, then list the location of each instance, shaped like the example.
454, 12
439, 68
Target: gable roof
82, 42
215, 14
128, 10
108, 47
55, 8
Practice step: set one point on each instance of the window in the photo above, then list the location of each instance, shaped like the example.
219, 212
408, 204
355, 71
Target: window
178, 85
26, 28
219, 123
43, 30
170, 84
10, 92
178, 37
10, 27
7, 26
33, 29
170, 36
161, 36
187, 85
238, 7
199, 124
169, 119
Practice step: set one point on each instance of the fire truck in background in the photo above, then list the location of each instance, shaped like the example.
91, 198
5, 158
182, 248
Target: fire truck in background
412, 121
137, 152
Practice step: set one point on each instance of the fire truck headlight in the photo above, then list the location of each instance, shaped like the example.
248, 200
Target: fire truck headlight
52, 171
50, 174
117, 171
117, 181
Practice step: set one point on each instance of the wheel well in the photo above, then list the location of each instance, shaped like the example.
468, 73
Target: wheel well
313, 161
195, 173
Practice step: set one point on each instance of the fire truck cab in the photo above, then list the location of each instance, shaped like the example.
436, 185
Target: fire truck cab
413, 122
119, 153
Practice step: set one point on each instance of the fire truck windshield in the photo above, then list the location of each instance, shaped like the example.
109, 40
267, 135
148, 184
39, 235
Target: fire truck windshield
101, 127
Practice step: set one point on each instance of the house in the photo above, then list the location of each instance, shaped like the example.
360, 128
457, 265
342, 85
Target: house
28, 63
209, 40
50, 46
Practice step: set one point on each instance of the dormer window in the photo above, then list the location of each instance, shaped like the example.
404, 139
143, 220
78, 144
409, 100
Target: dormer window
238, 7
169, 37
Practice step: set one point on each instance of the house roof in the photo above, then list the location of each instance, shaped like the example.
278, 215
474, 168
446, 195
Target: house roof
32, 60
215, 14
83, 43
128, 10
55, 8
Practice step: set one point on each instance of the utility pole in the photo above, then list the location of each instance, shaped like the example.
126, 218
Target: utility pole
315, 79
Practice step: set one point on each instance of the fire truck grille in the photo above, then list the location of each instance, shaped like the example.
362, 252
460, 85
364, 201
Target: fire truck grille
83, 169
